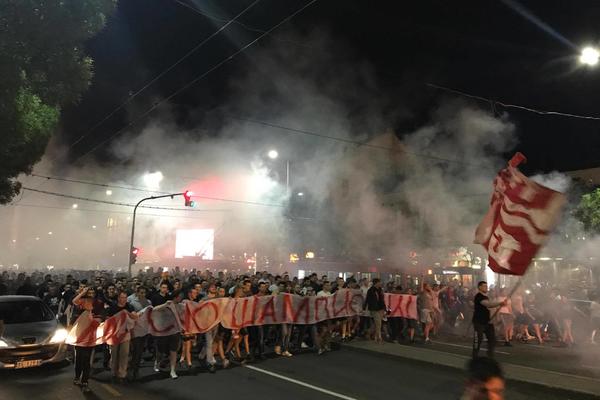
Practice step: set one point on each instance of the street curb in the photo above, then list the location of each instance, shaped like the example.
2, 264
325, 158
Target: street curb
513, 372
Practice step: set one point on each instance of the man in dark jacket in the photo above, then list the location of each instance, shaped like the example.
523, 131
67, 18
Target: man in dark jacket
375, 303
481, 319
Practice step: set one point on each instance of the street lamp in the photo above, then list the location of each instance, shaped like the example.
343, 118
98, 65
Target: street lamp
74, 206
589, 56
109, 192
153, 179
274, 154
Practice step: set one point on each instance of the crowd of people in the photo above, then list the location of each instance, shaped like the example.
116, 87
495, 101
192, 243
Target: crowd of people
537, 314
440, 307
105, 294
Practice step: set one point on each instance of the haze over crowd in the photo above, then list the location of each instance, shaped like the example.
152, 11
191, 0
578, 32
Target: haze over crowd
402, 191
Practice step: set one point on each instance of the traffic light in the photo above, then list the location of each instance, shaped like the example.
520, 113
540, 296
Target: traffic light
188, 199
133, 256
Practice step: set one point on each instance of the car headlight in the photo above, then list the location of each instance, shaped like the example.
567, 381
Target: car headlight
59, 336
5, 345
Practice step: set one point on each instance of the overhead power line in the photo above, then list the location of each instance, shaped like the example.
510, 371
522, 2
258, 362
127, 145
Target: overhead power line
350, 141
79, 209
160, 75
244, 26
197, 79
149, 83
104, 185
68, 196
507, 105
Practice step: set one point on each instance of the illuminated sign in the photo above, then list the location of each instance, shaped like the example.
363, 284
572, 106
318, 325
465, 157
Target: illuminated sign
195, 243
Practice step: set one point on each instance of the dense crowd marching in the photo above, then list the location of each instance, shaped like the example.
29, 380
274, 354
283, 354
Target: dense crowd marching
547, 313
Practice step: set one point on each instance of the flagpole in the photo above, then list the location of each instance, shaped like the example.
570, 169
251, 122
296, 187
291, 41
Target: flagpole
512, 292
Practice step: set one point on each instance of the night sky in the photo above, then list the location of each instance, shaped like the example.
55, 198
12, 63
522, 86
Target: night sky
481, 47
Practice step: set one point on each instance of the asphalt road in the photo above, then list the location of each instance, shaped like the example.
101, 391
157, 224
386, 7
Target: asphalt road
343, 374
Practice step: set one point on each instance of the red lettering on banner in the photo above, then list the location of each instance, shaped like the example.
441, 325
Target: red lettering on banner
410, 299
188, 317
244, 322
319, 300
154, 328
271, 307
234, 324
288, 309
250, 321
200, 308
398, 306
345, 306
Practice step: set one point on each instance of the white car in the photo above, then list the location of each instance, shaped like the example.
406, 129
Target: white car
30, 335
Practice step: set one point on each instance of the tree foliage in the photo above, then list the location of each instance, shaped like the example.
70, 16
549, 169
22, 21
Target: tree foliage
42, 68
588, 211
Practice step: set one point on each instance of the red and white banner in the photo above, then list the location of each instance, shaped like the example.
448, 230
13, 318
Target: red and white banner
401, 305
521, 216
86, 332
201, 317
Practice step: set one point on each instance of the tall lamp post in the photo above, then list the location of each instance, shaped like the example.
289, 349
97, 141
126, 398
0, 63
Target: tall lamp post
273, 154
130, 263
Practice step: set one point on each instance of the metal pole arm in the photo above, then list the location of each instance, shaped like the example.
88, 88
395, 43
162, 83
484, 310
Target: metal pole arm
133, 223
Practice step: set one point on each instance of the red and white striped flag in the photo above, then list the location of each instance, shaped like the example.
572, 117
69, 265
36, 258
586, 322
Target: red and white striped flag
521, 216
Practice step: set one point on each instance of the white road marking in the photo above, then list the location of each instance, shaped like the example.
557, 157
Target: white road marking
467, 347
297, 382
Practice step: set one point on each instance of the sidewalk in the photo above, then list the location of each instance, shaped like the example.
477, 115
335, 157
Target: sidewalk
515, 372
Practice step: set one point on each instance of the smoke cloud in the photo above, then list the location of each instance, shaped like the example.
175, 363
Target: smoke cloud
393, 193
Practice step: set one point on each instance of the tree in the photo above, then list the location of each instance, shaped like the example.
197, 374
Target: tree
588, 211
42, 68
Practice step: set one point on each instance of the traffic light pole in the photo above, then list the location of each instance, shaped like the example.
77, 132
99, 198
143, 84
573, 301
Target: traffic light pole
133, 223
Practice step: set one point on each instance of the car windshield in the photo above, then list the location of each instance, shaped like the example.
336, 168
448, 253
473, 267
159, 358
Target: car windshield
24, 311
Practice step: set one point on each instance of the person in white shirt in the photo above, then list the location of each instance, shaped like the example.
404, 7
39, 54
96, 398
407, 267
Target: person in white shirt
506, 317
326, 291
138, 300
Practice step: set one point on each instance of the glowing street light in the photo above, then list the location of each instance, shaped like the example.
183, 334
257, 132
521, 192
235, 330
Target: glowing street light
109, 192
50, 233
273, 154
589, 56
153, 179
93, 226
300, 194
74, 206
